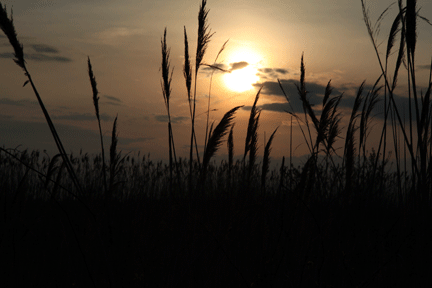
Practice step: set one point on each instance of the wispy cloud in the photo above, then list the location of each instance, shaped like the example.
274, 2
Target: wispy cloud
37, 57
111, 100
21, 102
164, 118
42, 48
238, 65
424, 67
83, 117
272, 73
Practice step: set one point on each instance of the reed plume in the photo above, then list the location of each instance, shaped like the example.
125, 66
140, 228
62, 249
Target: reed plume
349, 151
96, 105
204, 35
251, 143
251, 125
8, 28
215, 138
266, 161
113, 157
166, 91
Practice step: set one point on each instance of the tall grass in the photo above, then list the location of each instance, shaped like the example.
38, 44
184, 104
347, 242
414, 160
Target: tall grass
7, 26
321, 133
303, 229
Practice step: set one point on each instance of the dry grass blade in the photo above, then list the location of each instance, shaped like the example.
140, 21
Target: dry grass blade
52, 167
333, 132
251, 125
307, 108
96, 104
8, 28
187, 71
166, 76
253, 148
230, 144
327, 93
393, 32
327, 118
204, 34
371, 100
349, 151
113, 156
411, 26
94, 87
401, 57
215, 139
266, 160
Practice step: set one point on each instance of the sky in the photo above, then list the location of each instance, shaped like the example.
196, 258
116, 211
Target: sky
123, 40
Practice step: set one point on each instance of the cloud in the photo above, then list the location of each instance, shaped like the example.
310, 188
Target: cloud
37, 57
112, 98
42, 48
46, 58
424, 67
164, 118
238, 65
275, 107
83, 117
22, 102
289, 86
272, 73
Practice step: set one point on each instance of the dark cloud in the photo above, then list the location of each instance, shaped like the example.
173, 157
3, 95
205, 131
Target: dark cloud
21, 102
112, 98
424, 67
275, 107
83, 117
47, 58
37, 57
238, 65
272, 73
42, 48
315, 96
164, 118
289, 86
281, 71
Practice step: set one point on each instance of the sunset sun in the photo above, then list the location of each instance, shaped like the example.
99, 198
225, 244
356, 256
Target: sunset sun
243, 70
241, 80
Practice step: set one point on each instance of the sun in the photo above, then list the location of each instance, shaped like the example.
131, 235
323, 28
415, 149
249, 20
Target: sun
241, 80
243, 70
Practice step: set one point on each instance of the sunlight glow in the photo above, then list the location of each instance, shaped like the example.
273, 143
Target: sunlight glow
241, 80
244, 64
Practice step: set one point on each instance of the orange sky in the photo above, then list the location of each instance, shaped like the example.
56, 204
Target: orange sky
122, 38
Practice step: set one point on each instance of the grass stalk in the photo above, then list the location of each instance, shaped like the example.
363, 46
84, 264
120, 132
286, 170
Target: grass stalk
96, 104
8, 28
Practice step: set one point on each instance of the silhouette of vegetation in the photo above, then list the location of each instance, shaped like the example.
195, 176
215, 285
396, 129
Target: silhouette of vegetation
326, 223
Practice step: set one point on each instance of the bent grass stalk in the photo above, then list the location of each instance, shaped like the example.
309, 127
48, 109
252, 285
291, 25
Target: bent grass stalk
8, 28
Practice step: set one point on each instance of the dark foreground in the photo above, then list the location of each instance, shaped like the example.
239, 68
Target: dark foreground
214, 243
